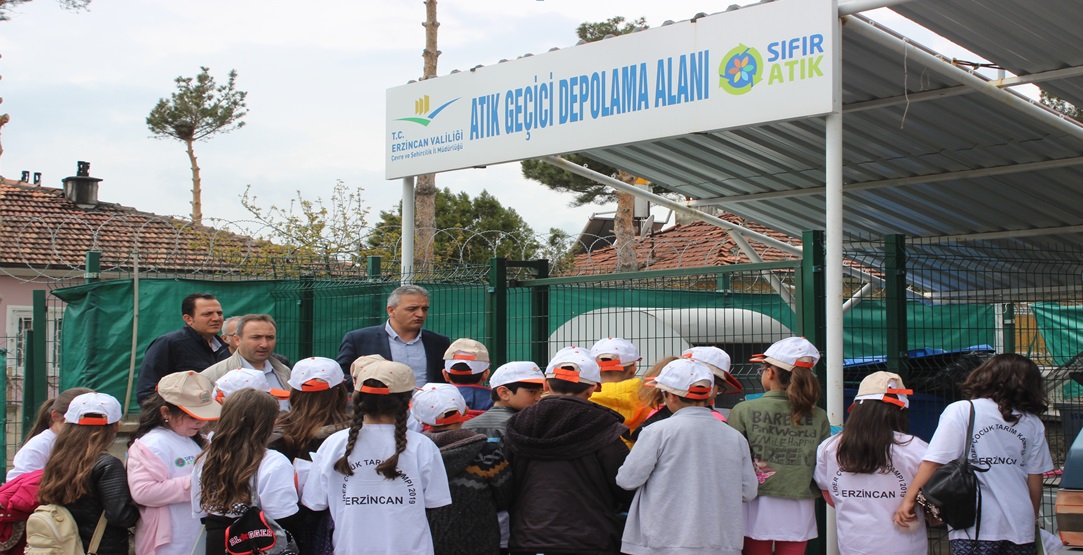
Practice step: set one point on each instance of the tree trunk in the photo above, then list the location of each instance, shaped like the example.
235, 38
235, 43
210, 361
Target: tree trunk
425, 191
624, 228
3, 121
197, 190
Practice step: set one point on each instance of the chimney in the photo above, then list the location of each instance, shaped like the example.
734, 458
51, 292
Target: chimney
37, 178
26, 177
82, 189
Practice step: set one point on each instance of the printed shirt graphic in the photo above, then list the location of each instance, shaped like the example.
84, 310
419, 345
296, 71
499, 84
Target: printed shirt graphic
1011, 451
784, 455
865, 503
385, 516
179, 455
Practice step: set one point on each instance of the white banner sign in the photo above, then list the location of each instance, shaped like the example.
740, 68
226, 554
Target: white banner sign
764, 63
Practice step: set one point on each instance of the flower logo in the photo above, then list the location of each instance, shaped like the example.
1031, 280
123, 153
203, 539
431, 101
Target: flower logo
741, 70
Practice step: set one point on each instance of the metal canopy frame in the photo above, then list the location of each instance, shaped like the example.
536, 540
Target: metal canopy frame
922, 155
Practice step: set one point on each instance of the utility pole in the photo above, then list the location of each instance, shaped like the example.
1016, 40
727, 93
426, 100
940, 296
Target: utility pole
425, 192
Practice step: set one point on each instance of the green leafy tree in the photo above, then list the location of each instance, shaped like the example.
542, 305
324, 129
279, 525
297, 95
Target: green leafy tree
585, 190
198, 110
313, 228
468, 230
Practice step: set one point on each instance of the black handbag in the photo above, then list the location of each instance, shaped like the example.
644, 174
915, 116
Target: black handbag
952, 494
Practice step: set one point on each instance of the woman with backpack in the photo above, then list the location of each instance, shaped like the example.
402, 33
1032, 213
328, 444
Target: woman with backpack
783, 428
85, 479
1009, 439
865, 470
237, 470
161, 456
39, 442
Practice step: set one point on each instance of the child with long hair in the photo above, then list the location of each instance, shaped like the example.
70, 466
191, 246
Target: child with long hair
318, 407
783, 428
378, 477
161, 456
39, 442
864, 471
237, 470
1009, 439
82, 476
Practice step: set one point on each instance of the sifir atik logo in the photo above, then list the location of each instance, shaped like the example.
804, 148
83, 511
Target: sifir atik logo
424, 116
741, 70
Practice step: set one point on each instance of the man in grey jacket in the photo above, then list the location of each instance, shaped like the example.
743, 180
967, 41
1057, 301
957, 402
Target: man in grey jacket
258, 334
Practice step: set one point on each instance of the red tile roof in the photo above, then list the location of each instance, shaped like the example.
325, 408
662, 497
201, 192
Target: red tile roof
40, 228
689, 245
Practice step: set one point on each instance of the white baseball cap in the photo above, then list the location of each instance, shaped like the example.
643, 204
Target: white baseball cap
883, 386
316, 374
614, 353
685, 377
433, 401
86, 404
575, 365
245, 378
790, 353
466, 351
518, 371
719, 362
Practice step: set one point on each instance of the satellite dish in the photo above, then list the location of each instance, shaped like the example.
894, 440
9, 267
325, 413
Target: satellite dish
647, 226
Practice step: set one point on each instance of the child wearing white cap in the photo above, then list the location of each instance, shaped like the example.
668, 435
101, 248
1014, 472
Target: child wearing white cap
783, 428
672, 513
161, 456
38, 444
619, 359
319, 407
515, 386
82, 476
378, 478
864, 471
466, 365
565, 452
478, 474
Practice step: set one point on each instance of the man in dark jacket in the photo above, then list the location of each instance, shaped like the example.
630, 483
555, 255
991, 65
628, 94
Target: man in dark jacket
564, 453
401, 338
193, 347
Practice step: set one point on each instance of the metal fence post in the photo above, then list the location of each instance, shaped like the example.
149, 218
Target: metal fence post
895, 311
92, 267
40, 391
539, 323
4, 406
812, 324
498, 311
28, 383
373, 267
306, 316
1009, 328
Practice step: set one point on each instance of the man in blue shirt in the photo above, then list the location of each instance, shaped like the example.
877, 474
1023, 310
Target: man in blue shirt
401, 338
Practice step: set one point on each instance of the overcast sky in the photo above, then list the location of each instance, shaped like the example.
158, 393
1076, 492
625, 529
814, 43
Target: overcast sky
79, 85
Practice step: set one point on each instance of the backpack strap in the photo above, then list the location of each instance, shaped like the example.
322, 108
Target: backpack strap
966, 456
99, 531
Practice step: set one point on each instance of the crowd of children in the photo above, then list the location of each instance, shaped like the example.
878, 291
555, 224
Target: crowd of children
582, 457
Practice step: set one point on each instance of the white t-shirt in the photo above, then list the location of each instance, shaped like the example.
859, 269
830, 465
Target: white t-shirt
780, 519
274, 486
865, 503
33, 454
1011, 451
178, 453
374, 514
